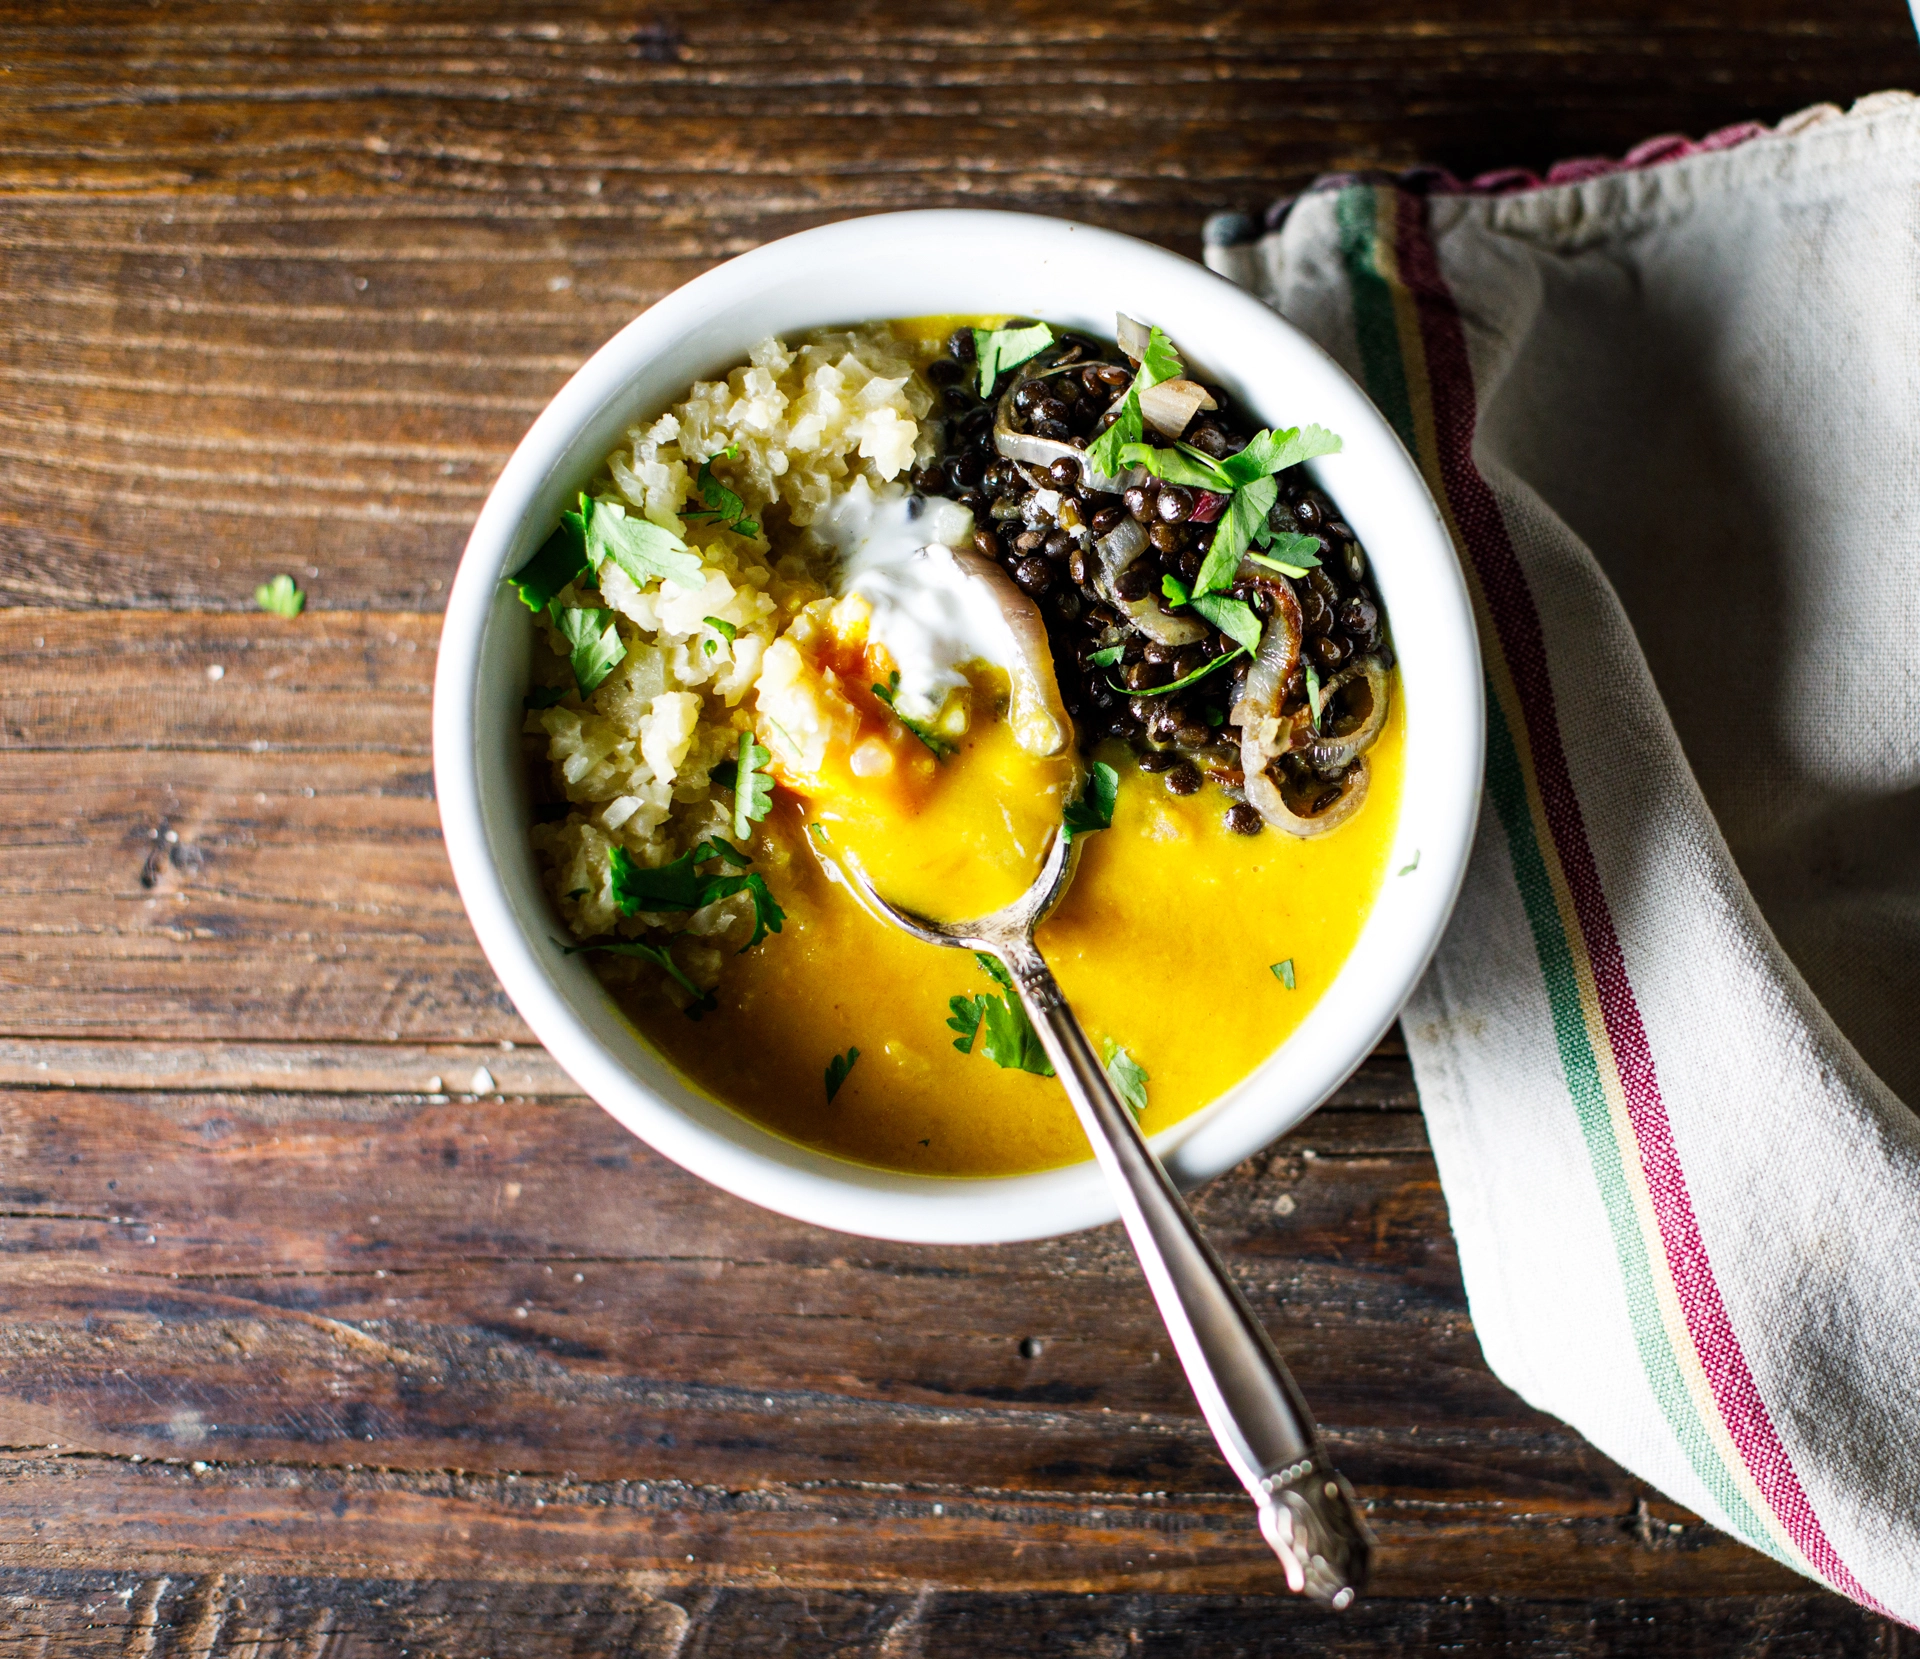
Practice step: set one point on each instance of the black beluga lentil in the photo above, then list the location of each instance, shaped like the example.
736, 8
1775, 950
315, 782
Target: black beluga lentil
1042, 524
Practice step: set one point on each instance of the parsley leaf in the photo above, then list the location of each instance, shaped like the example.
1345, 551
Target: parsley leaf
1231, 616
837, 1069
1238, 525
560, 558
677, 886
1107, 656
1283, 971
1128, 1077
1174, 589
1094, 809
594, 643
933, 740
1315, 700
999, 1026
638, 546
281, 596
1293, 548
752, 788
999, 349
1187, 680
1107, 453
1272, 452
722, 503
544, 697
1184, 465
659, 957
964, 1017
721, 626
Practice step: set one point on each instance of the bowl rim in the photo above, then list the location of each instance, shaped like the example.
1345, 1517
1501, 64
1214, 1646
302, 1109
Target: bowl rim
722, 1146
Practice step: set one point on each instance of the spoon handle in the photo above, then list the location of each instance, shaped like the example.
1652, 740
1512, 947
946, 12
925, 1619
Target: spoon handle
1307, 1511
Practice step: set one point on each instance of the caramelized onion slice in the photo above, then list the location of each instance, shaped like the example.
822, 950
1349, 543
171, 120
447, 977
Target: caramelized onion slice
1265, 794
1038, 716
1257, 713
1043, 452
1118, 548
1265, 735
1336, 749
1170, 405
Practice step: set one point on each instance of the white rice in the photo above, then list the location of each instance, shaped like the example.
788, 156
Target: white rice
633, 760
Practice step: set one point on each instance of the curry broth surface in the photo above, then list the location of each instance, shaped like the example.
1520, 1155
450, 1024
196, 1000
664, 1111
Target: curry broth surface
1164, 943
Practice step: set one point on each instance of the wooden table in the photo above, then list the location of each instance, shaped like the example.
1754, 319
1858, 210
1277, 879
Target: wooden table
334, 1320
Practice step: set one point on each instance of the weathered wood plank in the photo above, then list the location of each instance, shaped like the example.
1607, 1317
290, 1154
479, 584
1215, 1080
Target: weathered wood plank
352, 1524
324, 681
283, 294
87, 1613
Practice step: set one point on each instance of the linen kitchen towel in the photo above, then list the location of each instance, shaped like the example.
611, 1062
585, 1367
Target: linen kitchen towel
1669, 1050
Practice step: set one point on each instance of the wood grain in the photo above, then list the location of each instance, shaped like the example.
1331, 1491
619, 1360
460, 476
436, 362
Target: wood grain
333, 1321
287, 287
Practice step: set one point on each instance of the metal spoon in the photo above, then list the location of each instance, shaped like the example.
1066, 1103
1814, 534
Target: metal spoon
1307, 1511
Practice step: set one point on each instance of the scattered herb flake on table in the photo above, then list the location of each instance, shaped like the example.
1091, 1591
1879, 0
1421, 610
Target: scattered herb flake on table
282, 596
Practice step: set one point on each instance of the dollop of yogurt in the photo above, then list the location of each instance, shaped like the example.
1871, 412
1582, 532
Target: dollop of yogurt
896, 551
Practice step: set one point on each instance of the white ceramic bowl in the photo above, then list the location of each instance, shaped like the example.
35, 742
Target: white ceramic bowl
920, 264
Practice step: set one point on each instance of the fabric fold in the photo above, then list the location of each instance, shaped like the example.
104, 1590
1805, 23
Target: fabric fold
1671, 412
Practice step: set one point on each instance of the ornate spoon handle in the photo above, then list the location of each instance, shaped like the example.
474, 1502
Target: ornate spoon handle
1307, 1511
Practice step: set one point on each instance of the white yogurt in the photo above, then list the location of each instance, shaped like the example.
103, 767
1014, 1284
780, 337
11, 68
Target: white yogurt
896, 551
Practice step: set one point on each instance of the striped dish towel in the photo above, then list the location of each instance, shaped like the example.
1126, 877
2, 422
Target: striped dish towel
1669, 1048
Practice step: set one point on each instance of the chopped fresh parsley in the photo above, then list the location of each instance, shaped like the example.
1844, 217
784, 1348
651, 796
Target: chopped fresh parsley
933, 740
837, 1069
1107, 453
281, 596
1094, 808
1316, 699
1232, 617
593, 642
998, 349
1106, 656
1185, 680
722, 504
560, 559
1271, 452
1283, 971
661, 959
1181, 465
1289, 548
544, 697
1239, 526
1247, 478
637, 545
679, 887
999, 1025
752, 788
1128, 1077
1408, 869
721, 626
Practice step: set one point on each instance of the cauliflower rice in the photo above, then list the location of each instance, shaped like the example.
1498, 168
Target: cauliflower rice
632, 764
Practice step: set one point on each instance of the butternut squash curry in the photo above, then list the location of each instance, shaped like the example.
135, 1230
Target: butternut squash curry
924, 594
